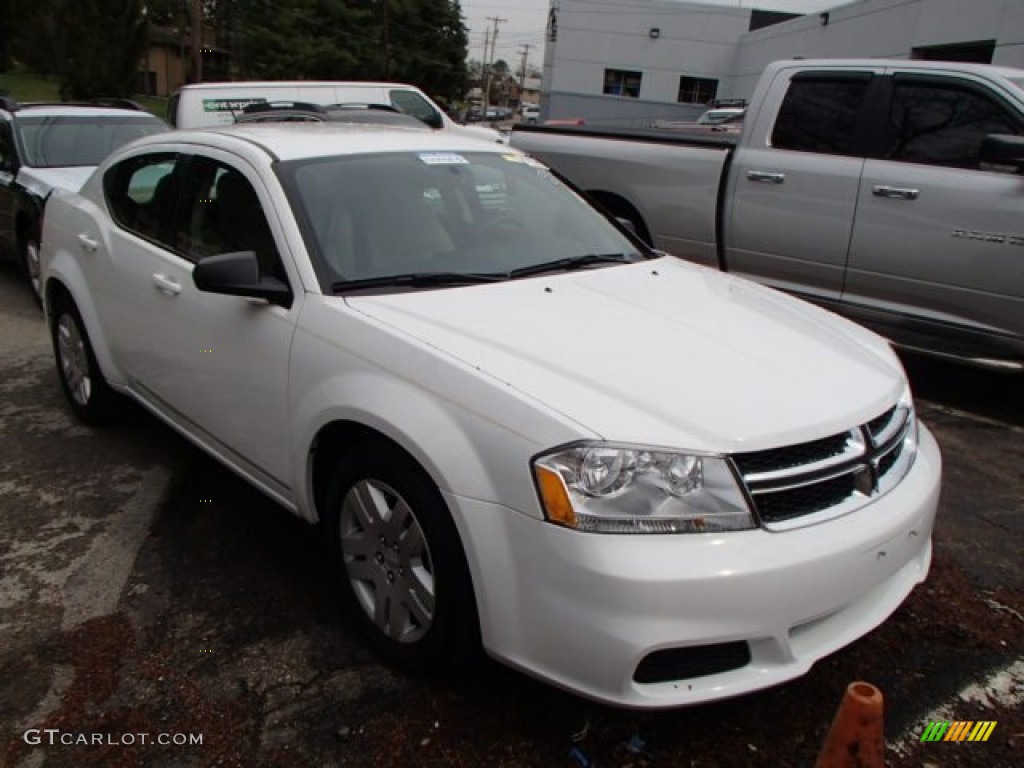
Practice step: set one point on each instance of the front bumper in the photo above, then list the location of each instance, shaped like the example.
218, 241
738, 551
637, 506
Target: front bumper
583, 610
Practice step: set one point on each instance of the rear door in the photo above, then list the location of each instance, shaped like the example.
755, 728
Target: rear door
794, 185
938, 245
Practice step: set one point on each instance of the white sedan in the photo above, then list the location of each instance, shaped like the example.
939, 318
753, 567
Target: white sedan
638, 479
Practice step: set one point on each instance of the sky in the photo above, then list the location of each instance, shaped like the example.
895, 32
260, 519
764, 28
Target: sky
527, 19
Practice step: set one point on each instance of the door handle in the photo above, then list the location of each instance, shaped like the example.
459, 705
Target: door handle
166, 284
895, 193
766, 176
88, 243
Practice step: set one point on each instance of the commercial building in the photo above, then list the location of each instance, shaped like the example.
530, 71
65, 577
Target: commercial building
639, 60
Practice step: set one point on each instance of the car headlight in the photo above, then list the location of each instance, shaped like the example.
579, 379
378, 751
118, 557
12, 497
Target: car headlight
609, 488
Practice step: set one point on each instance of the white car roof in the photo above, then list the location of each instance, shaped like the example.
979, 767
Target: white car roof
293, 141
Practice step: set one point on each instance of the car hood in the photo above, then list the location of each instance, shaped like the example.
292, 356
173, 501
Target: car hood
479, 132
42, 181
660, 353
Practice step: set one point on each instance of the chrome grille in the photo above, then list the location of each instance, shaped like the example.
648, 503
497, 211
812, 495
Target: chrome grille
829, 476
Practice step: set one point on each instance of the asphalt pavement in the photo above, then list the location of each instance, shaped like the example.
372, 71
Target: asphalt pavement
156, 611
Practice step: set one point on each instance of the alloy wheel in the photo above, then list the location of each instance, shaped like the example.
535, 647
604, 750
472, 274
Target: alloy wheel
387, 560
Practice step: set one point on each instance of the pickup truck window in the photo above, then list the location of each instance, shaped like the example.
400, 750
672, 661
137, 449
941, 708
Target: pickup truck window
820, 113
942, 124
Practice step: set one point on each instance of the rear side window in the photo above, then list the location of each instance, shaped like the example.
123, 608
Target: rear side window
820, 114
142, 195
936, 123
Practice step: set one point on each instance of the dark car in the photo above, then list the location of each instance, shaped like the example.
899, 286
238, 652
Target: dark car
47, 147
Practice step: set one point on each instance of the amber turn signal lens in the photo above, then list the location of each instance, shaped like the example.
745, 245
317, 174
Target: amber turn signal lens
555, 497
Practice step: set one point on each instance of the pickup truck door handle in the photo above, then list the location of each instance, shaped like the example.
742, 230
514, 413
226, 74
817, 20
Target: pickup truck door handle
895, 193
89, 244
166, 284
766, 176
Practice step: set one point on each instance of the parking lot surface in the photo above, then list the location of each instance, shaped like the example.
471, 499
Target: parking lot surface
150, 597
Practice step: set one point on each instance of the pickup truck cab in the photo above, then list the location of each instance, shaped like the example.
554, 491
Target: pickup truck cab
889, 191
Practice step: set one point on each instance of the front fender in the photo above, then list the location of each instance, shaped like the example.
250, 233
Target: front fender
472, 434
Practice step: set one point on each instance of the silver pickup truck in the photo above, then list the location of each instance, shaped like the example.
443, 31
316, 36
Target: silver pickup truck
889, 191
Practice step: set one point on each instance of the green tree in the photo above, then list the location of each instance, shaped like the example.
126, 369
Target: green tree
93, 47
102, 42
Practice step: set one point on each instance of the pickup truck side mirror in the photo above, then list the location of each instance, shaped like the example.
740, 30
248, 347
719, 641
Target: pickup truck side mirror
238, 274
1002, 152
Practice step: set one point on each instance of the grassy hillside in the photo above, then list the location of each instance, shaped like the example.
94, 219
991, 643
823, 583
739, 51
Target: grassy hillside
26, 86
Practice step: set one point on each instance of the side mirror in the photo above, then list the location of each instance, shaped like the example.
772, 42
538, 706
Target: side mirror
1002, 152
238, 274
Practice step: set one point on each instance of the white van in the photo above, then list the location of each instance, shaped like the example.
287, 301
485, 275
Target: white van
207, 104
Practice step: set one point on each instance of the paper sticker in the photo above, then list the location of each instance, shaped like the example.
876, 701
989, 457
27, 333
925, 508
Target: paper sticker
230, 105
442, 158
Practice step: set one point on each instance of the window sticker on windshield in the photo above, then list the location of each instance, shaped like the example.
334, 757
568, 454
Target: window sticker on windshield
442, 158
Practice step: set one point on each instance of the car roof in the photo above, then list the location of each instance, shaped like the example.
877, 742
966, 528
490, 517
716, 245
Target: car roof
242, 84
69, 110
906, 64
293, 141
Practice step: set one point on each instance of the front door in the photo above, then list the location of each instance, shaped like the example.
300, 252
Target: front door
938, 245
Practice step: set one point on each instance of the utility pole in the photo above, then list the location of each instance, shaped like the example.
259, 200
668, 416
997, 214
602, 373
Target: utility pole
490, 70
386, 37
197, 41
522, 70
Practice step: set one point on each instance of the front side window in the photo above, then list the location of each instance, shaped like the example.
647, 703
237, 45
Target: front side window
942, 124
620, 82
820, 114
142, 195
60, 141
697, 90
375, 216
221, 213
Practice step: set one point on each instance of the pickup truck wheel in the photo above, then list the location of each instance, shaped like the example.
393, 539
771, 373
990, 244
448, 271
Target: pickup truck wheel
30, 263
400, 568
87, 392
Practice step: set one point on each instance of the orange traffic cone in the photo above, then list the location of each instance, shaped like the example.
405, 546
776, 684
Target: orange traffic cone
855, 739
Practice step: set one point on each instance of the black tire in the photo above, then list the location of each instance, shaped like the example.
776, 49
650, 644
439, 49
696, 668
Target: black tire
383, 574
87, 392
28, 252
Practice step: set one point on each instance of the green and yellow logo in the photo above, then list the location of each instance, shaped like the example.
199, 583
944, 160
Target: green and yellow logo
958, 730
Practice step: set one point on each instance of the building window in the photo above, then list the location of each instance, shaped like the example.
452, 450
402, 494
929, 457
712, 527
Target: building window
697, 90
620, 82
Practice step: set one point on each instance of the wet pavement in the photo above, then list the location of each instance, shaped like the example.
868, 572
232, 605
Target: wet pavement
146, 594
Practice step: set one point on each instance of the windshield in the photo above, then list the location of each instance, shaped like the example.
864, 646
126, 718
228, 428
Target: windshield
374, 216
81, 140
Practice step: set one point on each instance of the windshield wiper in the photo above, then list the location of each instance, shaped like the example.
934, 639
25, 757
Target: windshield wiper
417, 280
575, 262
